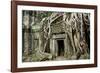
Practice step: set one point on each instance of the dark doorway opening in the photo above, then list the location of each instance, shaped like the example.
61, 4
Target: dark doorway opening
60, 47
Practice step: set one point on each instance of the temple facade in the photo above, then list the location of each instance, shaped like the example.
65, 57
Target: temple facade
52, 36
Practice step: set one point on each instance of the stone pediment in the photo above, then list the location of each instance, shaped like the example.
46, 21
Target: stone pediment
57, 28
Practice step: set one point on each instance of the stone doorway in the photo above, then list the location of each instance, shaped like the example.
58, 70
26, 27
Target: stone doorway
60, 44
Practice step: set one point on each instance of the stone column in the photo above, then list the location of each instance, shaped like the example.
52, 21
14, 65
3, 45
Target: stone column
26, 34
65, 46
56, 48
26, 44
51, 46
